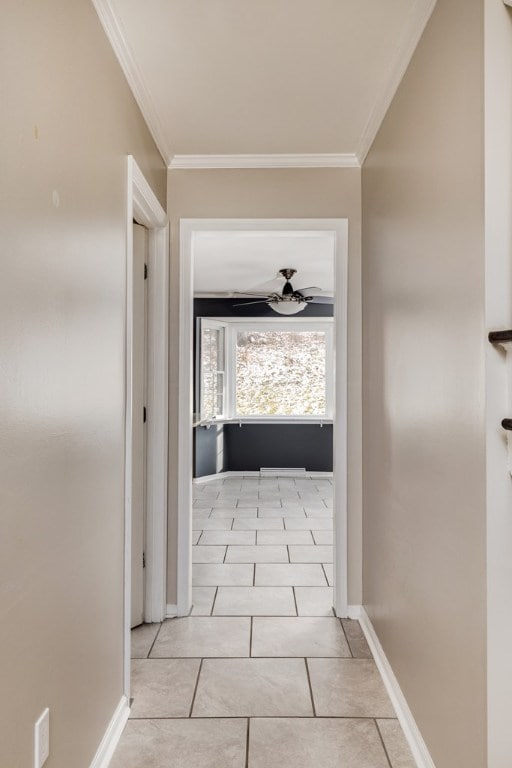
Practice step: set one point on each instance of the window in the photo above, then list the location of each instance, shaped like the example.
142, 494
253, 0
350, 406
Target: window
212, 365
280, 373
275, 369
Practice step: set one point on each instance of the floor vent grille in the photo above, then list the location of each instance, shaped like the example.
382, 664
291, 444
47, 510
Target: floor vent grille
282, 471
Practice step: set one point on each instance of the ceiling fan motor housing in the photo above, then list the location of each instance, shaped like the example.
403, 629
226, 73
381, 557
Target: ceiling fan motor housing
288, 292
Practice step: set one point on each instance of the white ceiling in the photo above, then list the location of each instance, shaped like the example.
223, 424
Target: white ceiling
216, 77
248, 261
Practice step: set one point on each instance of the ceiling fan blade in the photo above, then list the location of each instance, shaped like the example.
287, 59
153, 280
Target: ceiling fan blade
261, 294
311, 290
247, 303
320, 299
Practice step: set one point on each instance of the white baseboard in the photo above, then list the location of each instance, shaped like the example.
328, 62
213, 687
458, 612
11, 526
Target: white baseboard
171, 611
353, 611
112, 735
234, 473
223, 476
411, 731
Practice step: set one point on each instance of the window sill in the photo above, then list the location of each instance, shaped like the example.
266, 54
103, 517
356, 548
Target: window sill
265, 420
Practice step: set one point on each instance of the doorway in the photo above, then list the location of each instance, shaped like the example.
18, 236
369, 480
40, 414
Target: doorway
146, 445
191, 231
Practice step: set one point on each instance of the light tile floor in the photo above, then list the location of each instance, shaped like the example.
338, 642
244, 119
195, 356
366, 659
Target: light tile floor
261, 674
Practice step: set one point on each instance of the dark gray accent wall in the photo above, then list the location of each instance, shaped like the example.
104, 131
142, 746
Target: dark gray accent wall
209, 450
228, 308
252, 446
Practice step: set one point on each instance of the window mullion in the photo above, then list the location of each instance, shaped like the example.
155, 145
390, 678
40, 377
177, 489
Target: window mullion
231, 369
329, 372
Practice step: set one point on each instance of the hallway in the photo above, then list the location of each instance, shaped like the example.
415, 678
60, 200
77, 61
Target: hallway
261, 674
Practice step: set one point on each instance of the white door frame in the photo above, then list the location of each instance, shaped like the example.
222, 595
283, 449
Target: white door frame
188, 229
143, 206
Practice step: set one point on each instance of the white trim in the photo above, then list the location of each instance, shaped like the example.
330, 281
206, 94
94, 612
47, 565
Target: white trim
143, 206
318, 160
223, 476
118, 39
112, 735
188, 229
411, 731
185, 418
413, 29
171, 611
231, 326
319, 420
340, 437
157, 395
210, 324
353, 612
238, 473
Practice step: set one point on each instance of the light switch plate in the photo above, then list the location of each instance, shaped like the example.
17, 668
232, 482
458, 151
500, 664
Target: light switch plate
42, 739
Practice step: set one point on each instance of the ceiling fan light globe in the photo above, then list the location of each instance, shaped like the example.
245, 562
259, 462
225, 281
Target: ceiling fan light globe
287, 307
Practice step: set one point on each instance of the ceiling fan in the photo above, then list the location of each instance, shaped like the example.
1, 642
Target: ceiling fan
290, 301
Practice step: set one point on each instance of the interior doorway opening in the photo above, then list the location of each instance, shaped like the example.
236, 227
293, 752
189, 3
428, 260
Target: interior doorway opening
220, 385
146, 442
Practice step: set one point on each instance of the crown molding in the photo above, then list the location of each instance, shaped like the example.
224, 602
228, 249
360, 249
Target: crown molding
117, 37
413, 29
197, 162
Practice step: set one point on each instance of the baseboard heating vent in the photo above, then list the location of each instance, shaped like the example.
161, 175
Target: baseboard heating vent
282, 471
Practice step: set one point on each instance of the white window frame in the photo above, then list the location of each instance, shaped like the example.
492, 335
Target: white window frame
212, 324
231, 328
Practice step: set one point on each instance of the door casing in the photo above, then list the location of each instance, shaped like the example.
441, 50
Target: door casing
144, 207
188, 228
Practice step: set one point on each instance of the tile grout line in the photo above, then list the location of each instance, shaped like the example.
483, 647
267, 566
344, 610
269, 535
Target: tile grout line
295, 601
154, 641
382, 742
325, 574
310, 687
346, 638
195, 688
214, 599
250, 638
247, 742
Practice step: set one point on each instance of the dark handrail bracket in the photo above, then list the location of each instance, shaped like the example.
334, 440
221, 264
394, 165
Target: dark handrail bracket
500, 337
507, 424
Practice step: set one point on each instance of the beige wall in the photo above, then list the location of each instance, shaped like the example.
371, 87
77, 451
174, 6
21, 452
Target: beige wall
294, 193
68, 121
423, 396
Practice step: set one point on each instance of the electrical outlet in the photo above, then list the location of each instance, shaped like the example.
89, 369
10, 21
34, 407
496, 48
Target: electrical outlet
42, 739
